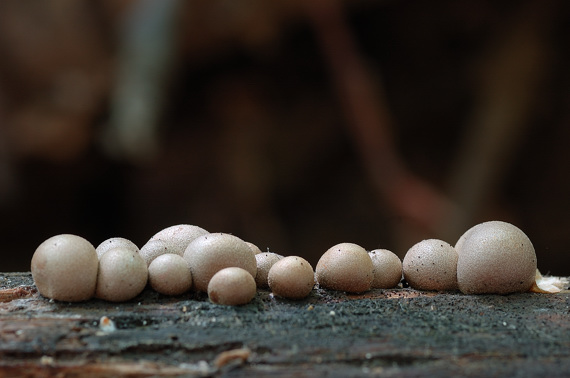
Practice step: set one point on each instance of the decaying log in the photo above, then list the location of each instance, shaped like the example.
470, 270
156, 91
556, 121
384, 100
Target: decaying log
399, 332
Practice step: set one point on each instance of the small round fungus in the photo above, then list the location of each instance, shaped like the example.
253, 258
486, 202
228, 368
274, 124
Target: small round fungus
291, 277
123, 275
64, 268
431, 265
265, 261
114, 243
495, 257
232, 286
387, 269
169, 274
345, 267
255, 249
173, 239
209, 253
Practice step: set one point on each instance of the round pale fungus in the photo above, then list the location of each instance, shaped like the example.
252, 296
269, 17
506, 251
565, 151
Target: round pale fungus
345, 267
231, 286
291, 277
495, 257
64, 268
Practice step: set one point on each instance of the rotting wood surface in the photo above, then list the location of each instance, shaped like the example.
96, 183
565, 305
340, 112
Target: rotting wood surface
400, 332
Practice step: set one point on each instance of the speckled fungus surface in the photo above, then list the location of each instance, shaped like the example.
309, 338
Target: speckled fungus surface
210, 253
431, 265
291, 277
232, 286
345, 267
495, 257
115, 242
265, 261
64, 268
387, 269
173, 239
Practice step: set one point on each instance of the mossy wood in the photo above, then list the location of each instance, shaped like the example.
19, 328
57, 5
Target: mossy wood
383, 332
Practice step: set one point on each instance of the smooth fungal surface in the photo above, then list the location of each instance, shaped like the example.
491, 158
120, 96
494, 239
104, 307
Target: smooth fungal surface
210, 253
232, 286
173, 239
123, 275
495, 257
345, 267
169, 274
387, 269
65, 268
291, 277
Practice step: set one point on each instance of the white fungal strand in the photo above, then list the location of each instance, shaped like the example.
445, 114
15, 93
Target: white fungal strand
549, 284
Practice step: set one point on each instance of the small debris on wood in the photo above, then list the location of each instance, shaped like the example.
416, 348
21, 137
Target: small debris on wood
8, 295
234, 356
106, 325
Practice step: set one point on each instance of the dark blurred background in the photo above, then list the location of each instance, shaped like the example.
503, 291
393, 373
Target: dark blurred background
294, 125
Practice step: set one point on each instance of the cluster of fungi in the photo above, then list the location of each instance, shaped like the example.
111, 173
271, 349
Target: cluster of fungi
491, 257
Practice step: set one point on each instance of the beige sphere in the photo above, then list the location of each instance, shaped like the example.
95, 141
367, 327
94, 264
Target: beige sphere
114, 243
64, 268
123, 275
495, 257
169, 274
291, 277
210, 253
387, 269
232, 286
255, 249
173, 239
345, 267
265, 261
431, 265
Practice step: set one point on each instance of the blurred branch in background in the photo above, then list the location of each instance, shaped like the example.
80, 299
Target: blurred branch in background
370, 125
229, 107
508, 82
145, 62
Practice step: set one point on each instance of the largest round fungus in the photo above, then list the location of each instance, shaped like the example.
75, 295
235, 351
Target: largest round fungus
345, 267
495, 257
210, 253
64, 268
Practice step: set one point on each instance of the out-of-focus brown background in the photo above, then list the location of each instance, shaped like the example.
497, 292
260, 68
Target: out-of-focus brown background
295, 125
